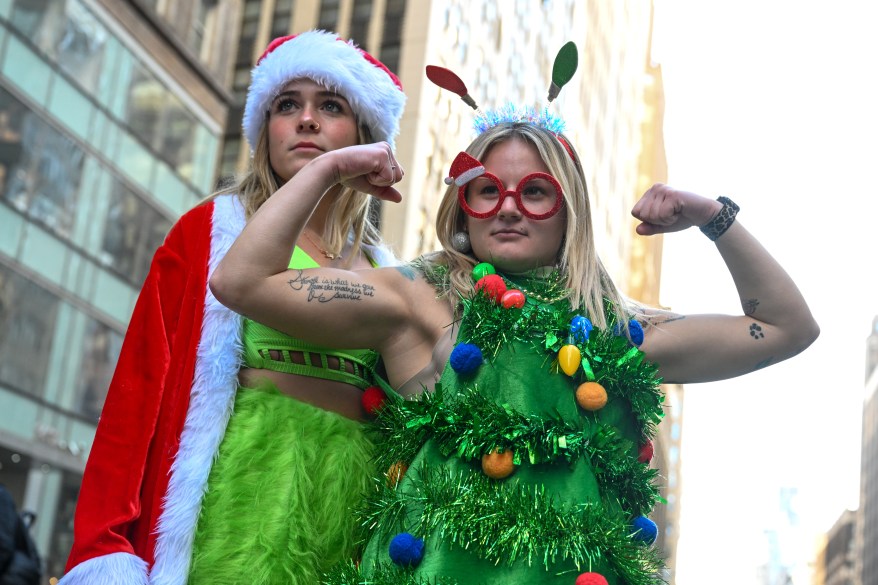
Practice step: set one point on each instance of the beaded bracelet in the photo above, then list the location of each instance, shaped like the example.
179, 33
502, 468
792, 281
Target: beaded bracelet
722, 220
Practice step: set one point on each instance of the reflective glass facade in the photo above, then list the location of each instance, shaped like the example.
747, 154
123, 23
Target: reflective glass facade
100, 152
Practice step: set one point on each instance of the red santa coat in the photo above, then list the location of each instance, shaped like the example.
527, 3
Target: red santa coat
165, 414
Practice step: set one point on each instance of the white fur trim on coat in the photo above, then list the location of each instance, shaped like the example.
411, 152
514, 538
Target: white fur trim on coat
210, 406
112, 569
338, 66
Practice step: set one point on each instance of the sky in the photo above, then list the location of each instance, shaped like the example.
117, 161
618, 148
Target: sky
773, 103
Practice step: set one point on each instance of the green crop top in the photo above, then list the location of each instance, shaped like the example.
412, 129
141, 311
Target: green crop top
351, 366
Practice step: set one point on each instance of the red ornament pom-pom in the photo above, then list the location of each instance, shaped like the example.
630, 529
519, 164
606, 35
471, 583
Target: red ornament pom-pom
512, 299
373, 399
647, 450
492, 286
591, 579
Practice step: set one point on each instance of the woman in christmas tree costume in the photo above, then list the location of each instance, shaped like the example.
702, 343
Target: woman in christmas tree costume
525, 460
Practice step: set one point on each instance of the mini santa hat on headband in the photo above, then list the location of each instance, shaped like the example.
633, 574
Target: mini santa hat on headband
372, 90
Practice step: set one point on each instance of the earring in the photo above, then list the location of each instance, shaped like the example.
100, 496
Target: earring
460, 242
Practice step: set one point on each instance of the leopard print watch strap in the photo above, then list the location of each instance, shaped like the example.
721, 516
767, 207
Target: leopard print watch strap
722, 220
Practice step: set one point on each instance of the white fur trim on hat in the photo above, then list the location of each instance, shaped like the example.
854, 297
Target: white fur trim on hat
336, 64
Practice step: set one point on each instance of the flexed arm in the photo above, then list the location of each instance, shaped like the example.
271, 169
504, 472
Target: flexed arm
321, 304
776, 323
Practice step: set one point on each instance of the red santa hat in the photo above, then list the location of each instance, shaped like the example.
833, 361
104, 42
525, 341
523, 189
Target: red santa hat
464, 169
372, 90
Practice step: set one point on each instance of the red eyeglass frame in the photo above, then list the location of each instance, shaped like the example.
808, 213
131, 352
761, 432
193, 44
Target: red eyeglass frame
516, 194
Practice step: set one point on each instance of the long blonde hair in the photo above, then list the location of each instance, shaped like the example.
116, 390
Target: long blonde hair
349, 218
587, 280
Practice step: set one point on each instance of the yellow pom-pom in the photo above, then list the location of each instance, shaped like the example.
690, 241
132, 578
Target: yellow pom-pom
591, 396
395, 473
497, 465
569, 358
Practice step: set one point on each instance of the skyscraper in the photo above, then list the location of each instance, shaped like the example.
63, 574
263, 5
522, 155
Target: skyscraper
111, 115
867, 515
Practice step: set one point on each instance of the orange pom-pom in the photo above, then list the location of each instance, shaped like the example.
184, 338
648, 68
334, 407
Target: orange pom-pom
591, 396
395, 473
497, 465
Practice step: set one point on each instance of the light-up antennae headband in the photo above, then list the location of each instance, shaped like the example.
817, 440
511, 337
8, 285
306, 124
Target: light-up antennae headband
566, 62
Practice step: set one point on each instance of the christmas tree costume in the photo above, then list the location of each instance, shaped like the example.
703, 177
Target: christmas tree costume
524, 464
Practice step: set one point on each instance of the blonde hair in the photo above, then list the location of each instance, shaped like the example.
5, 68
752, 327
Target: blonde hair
589, 283
349, 218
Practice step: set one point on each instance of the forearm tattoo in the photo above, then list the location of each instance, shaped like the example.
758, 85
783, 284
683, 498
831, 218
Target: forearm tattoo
323, 290
666, 319
749, 306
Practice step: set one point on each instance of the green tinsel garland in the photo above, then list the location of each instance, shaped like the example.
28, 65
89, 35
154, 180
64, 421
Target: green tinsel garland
508, 522
467, 425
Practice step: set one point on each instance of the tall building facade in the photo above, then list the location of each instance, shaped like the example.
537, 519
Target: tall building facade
836, 560
111, 120
867, 514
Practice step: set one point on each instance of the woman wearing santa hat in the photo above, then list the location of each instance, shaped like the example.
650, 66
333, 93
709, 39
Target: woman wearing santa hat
228, 452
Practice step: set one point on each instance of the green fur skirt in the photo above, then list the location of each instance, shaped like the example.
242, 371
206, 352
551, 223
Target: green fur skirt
279, 501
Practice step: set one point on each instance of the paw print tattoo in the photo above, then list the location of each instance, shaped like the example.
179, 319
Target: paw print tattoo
756, 331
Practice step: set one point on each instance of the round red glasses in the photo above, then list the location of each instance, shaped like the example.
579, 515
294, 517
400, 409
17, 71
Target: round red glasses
538, 196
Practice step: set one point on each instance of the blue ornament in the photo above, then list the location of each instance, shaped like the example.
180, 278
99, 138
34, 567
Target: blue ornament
466, 358
406, 550
580, 327
644, 530
635, 330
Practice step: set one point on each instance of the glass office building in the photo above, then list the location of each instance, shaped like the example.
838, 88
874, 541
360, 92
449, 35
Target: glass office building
101, 149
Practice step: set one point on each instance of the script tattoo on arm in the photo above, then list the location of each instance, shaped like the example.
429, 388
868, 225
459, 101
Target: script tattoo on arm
324, 290
749, 306
667, 319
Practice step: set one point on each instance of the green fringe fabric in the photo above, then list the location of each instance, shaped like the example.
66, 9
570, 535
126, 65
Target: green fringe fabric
281, 495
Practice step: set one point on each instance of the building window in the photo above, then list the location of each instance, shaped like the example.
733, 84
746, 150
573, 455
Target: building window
27, 322
282, 23
68, 33
328, 19
41, 168
392, 38
360, 16
101, 347
132, 232
62, 531
158, 118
